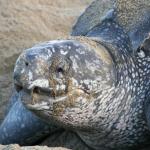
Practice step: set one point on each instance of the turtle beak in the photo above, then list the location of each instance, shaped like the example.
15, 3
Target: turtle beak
35, 95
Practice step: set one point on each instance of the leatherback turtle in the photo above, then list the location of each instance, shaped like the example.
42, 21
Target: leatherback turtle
93, 85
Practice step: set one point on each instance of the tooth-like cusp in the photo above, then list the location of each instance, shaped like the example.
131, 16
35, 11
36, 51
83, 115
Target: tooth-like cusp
60, 99
43, 83
63, 98
41, 106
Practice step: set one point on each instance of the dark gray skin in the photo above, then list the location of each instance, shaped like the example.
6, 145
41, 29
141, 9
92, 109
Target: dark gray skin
21, 126
97, 87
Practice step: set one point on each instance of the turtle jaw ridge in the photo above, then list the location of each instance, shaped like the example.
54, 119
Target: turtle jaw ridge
42, 98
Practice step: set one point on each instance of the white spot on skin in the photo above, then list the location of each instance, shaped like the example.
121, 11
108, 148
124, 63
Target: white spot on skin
43, 83
63, 52
141, 54
22, 71
81, 82
62, 87
53, 49
69, 47
75, 65
87, 81
57, 87
91, 66
80, 51
30, 76
49, 53
75, 82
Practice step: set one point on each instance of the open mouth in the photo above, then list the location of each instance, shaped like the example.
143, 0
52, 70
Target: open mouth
46, 97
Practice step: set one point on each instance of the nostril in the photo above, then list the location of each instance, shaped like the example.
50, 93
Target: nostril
26, 63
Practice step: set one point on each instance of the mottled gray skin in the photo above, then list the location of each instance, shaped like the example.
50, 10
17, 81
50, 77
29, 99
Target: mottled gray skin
97, 93
96, 86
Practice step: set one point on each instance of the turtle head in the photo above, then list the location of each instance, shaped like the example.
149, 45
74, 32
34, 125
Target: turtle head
60, 80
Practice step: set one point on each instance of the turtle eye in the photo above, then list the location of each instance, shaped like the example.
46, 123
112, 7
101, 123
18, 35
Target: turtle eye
60, 70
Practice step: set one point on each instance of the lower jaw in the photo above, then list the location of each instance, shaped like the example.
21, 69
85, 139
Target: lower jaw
38, 107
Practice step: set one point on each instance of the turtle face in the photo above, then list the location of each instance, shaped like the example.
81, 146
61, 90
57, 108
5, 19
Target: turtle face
59, 80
